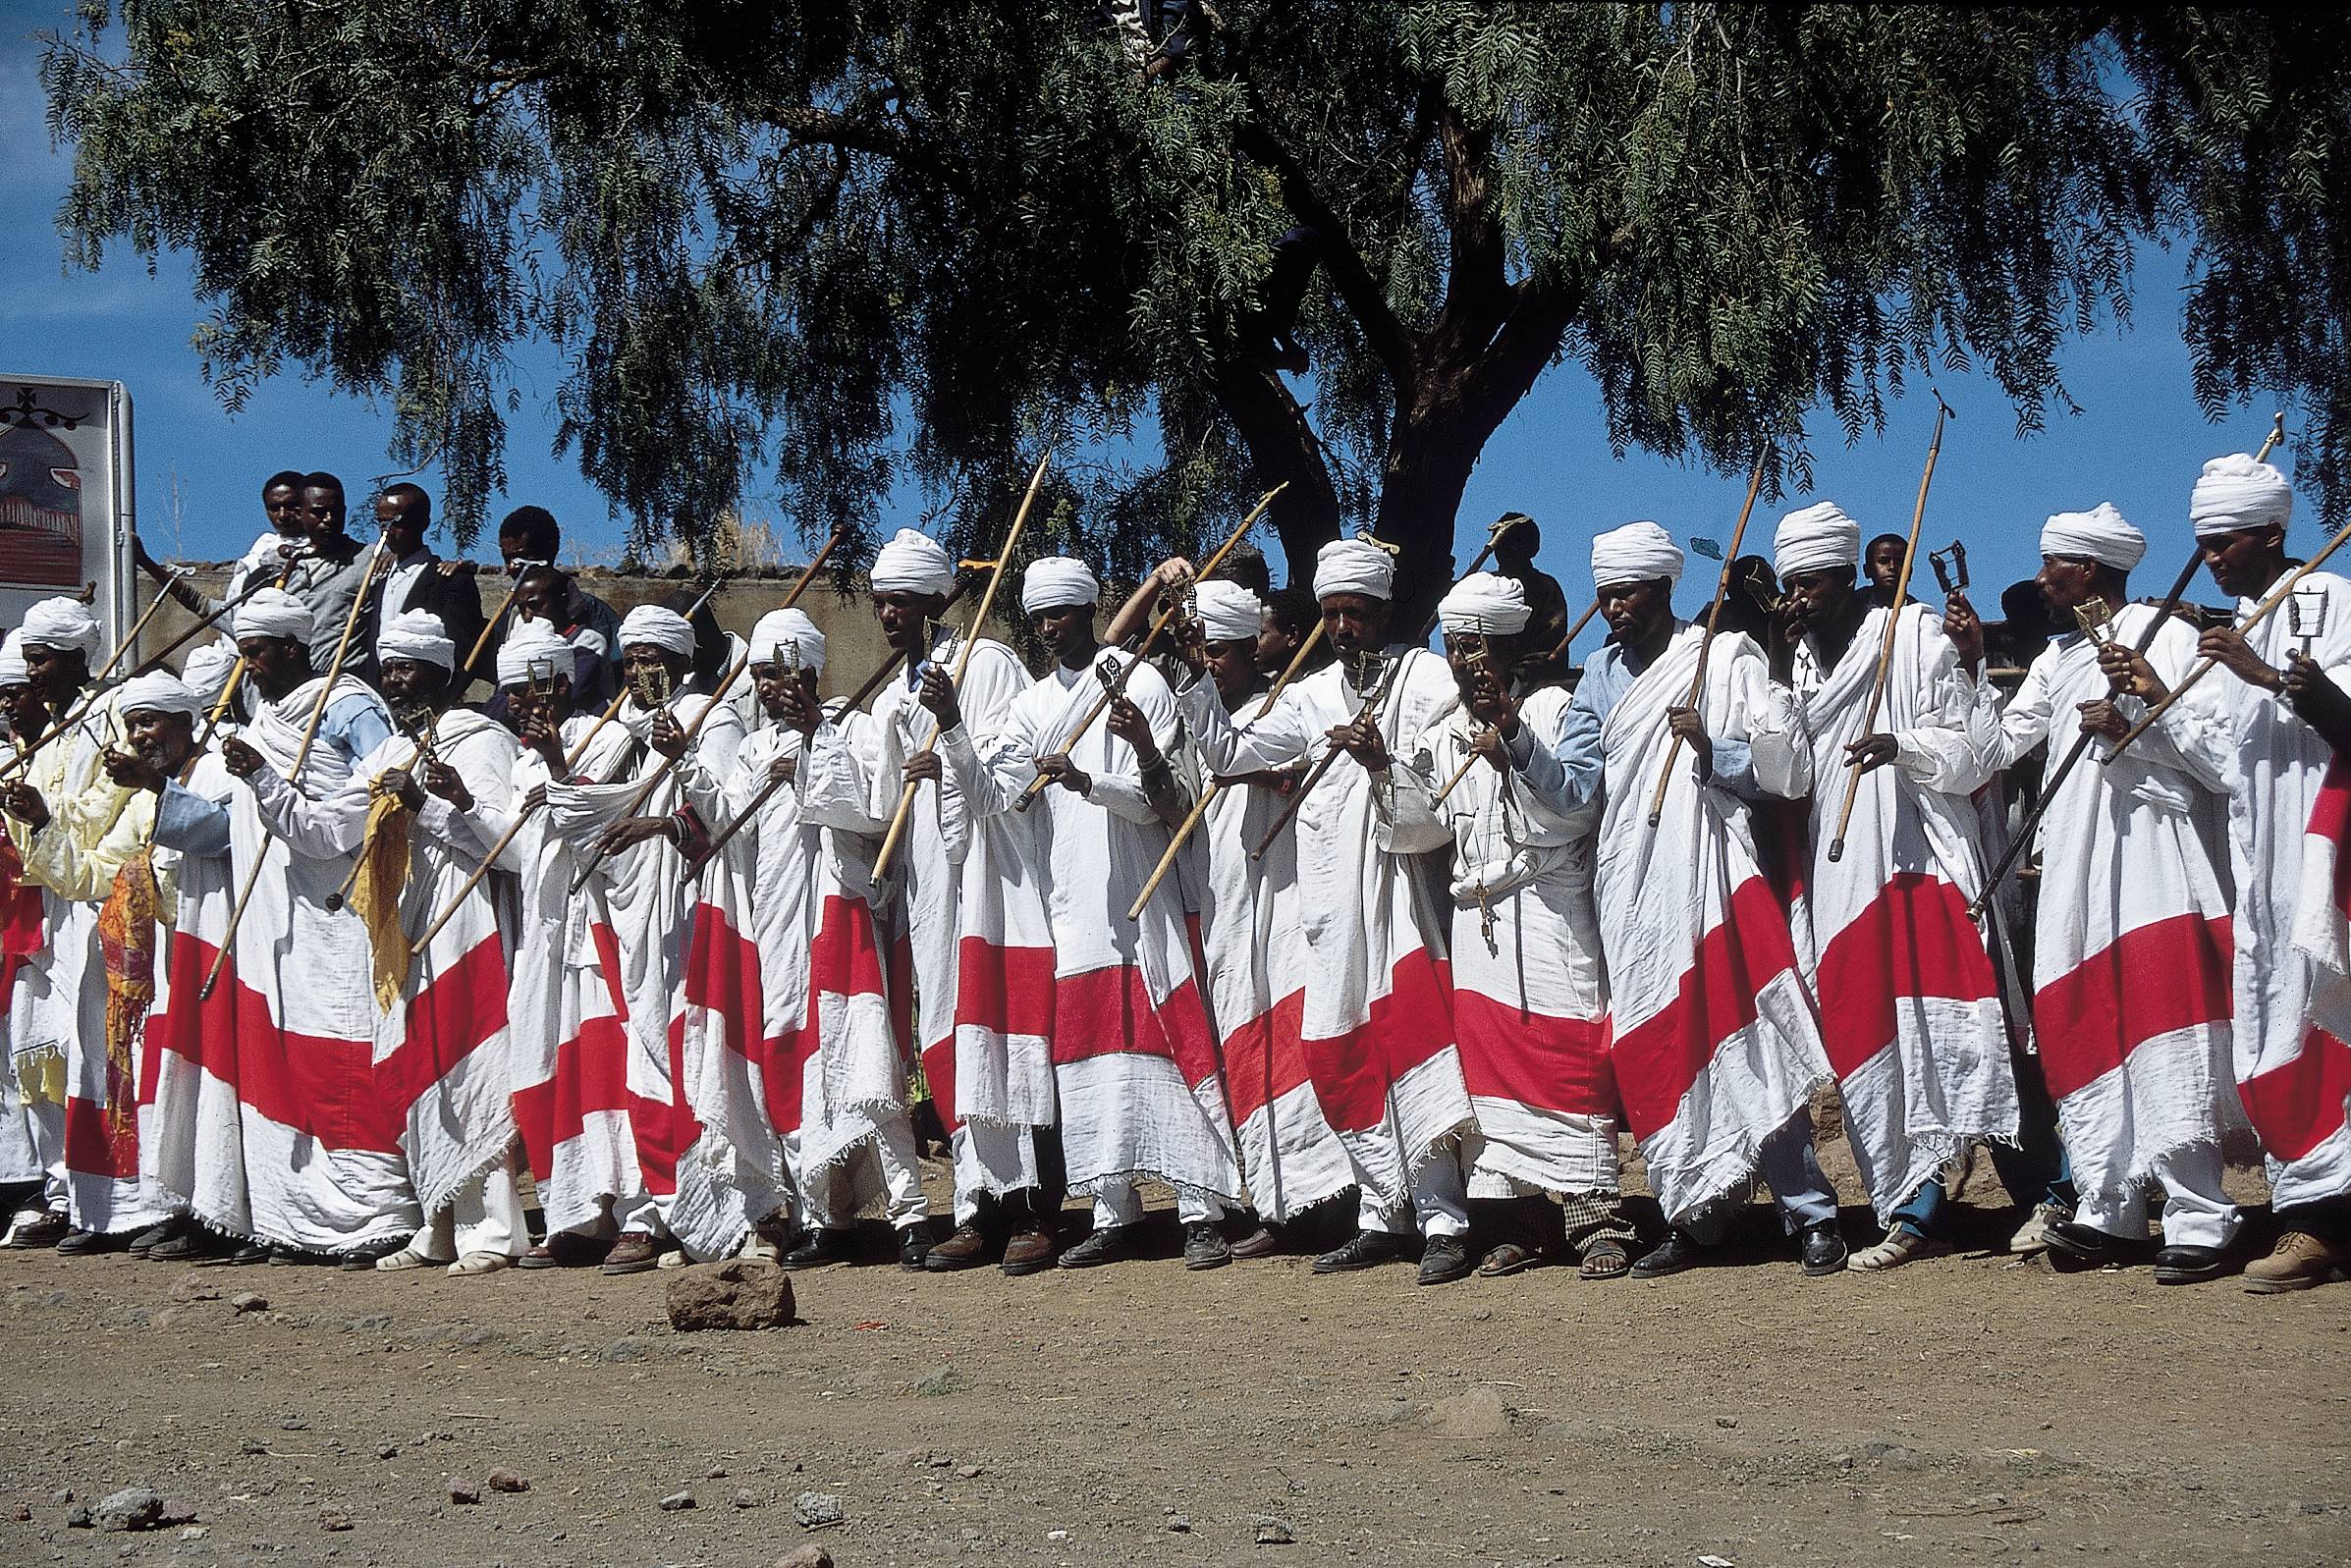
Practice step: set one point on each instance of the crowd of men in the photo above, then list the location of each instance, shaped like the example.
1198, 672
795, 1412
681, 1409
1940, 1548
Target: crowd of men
308, 957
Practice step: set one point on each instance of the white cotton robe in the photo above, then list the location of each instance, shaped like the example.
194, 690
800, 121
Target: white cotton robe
1909, 1003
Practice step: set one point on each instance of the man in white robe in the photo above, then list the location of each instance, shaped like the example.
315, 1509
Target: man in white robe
2254, 746
1910, 1006
799, 910
971, 915
32, 1117
1377, 1022
1715, 1043
1530, 998
701, 1149
2131, 996
411, 812
1141, 1091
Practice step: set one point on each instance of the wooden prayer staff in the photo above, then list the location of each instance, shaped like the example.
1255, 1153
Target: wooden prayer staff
302, 755
1893, 621
767, 791
521, 816
2023, 839
98, 688
1004, 560
1212, 789
1165, 618
2260, 613
1371, 701
669, 766
1574, 631
1706, 643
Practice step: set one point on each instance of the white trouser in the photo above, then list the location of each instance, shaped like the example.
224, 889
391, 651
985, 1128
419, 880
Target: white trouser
1440, 1202
991, 1159
1118, 1203
485, 1214
2196, 1213
832, 1194
44, 1127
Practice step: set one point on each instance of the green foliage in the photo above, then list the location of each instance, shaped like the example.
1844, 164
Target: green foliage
835, 247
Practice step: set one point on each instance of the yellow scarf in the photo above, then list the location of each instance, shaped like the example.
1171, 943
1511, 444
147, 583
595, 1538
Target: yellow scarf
383, 879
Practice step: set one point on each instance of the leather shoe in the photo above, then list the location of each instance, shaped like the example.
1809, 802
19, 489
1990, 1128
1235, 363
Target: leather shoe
1822, 1249
633, 1252
1030, 1251
39, 1231
1205, 1247
367, 1256
1110, 1244
143, 1244
965, 1248
1368, 1249
1261, 1241
1678, 1252
565, 1249
78, 1243
914, 1245
1443, 1260
2088, 1247
820, 1247
2190, 1265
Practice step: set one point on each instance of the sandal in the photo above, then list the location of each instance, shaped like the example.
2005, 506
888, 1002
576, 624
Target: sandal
1509, 1257
1605, 1259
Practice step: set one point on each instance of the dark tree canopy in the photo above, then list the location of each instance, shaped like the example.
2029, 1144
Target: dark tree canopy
820, 247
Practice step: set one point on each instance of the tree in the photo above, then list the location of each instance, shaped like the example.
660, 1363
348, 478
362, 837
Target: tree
845, 242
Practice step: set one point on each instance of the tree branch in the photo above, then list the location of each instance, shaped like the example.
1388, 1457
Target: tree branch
1282, 446
1477, 294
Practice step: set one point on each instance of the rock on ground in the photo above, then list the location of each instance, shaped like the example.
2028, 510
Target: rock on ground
131, 1508
737, 1293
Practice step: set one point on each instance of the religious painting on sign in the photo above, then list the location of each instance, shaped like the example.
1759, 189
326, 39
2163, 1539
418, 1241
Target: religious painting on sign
40, 489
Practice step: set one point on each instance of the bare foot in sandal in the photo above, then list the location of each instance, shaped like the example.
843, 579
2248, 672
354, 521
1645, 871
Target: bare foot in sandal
1606, 1259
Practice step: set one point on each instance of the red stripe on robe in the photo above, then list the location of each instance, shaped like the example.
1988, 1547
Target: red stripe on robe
1558, 1064
1353, 1071
2299, 1106
2167, 975
1659, 1059
1109, 1012
1913, 939
1264, 1058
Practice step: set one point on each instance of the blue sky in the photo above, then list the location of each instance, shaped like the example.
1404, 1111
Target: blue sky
2138, 440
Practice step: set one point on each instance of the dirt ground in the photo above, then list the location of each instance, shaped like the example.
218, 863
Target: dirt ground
1969, 1409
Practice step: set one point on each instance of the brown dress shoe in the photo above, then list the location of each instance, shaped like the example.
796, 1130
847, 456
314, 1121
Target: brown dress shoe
2298, 1261
1029, 1252
966, 1247
634, 1252
46, 1230
1263, 1242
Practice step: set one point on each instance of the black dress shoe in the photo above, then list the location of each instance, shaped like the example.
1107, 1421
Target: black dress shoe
78, 1243
1822, 1249
363, 1260
1678, 1252
1367, 1250
1110, 1244
143, 1244
1205, 1247
2191, 1266
913, 1246
821, 1247
2088, 1247
1443, 1260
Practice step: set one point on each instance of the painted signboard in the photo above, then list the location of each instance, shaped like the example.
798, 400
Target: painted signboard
66, 506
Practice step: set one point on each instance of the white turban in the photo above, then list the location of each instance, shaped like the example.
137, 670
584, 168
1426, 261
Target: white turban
1354, 566
663, 629
2235, 492
2100, 534
274, 612
62, 624
208, 669
416, 636
533, 642
12, 661
159, 692
912, 563
1638, 552
1818, 537
1055, 582
1229, 612
779, 630
1485, 603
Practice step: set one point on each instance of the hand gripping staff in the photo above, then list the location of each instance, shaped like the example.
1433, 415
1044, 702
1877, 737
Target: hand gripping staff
302, 755
2023, 837
571, 760
1166, 617
1893, 621
1706, 643
1004, 560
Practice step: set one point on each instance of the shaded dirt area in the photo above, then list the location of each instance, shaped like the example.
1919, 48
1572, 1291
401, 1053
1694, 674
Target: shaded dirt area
1967, 1408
